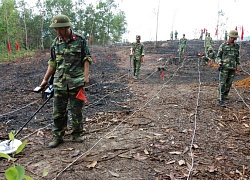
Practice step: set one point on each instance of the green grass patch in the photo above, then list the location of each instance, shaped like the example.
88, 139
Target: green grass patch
12, 56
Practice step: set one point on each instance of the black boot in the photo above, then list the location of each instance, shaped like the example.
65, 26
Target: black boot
222, 104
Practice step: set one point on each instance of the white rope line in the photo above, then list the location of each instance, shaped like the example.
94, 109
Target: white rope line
116, 127
241, 98
244, 70
19, 108
35, 131
195, 124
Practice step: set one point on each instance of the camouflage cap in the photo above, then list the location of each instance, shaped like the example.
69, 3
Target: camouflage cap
233, 34
138, 37
60, 21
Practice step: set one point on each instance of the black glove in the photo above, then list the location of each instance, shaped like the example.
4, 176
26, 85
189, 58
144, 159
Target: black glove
220, 67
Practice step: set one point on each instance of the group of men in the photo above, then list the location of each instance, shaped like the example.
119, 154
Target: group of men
227, 58
69, 65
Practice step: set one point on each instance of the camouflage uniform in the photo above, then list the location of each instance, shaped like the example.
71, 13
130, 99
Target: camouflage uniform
175, 35
229, 58
138, 53
208, 43
210, 56
201, 36
171, 35
68, 79
182, 45
225, 38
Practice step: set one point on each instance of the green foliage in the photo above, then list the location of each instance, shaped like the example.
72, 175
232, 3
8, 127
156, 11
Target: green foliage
15, 172
28, 24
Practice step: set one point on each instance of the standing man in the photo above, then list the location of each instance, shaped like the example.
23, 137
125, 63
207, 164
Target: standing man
138, 56
207, 43
228, 58
201, 35
171, 36
182, 46
69, 62
175, 35
225, 38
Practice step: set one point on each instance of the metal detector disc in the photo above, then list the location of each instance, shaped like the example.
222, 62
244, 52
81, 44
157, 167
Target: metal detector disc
9, 147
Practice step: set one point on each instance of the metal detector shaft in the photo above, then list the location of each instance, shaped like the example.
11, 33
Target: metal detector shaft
129, 68
220, 85
18, 132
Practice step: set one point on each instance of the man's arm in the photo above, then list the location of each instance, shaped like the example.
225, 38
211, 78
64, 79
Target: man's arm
47, 75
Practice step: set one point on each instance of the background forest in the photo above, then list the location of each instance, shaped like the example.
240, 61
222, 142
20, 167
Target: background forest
25, 26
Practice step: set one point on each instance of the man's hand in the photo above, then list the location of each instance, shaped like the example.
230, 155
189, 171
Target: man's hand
142, 59
220, 66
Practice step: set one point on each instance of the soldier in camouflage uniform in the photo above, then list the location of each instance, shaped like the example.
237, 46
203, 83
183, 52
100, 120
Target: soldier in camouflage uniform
228, 58
182, 46
207, 43
210, 57
175, 35
171, 36
201, 35
69, 62
225, 38
138, 56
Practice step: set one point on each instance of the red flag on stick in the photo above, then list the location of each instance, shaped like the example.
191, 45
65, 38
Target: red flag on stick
204, 30
8, 46
80, 95
236, 28
90, 39
242, 33
216, 31
162, 74
17, 46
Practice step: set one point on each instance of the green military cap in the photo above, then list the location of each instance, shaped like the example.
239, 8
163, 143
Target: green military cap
138, 37
210, 48
60, 21
233, 34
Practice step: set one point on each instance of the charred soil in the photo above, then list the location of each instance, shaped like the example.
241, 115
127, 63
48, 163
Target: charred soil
165, 125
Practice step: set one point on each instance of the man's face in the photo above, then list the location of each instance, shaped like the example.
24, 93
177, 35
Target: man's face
232, 39
61, 31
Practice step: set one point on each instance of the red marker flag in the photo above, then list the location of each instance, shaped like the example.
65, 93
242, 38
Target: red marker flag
211, 63
109, 57
17, 46
162, 74
242, 33
90, 39
80, 95
204, 30
236, 28
8, 46
216, 31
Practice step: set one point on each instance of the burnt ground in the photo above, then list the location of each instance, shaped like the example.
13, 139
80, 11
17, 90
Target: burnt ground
154, 128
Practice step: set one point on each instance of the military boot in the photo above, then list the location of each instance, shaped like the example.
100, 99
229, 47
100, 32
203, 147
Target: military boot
222, 104
78, 139
55, 142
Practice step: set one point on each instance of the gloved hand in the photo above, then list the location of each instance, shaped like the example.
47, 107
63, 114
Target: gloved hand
220, 67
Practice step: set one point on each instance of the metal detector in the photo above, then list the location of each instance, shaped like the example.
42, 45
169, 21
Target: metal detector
10, 146
130, 64
130, 61
220, 86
